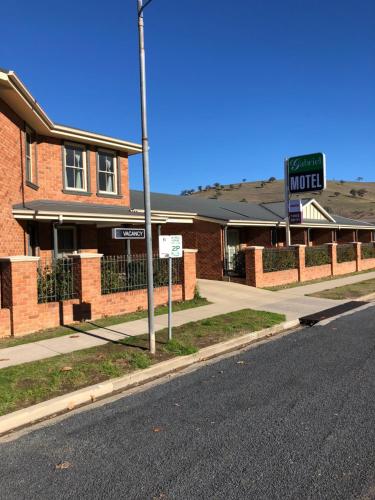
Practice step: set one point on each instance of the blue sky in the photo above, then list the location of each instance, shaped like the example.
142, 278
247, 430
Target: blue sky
233, 87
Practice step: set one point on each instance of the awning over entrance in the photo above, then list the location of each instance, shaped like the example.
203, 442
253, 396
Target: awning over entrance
65, 211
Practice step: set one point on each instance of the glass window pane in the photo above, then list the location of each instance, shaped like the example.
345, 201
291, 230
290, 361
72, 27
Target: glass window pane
110, 183
102, 162
79, 178
78, 158
65, 240
28, 144
69, 156
102, 182
69, 177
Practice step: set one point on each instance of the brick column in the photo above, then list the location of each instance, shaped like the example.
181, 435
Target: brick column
254, 266
189, 273
333, 255
358, 255
301, 252
88, 281
20, 291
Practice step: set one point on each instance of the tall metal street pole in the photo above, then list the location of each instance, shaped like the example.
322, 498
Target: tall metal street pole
146, 178
286, 200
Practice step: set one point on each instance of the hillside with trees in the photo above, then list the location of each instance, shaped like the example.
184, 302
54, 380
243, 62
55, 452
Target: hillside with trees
346, 198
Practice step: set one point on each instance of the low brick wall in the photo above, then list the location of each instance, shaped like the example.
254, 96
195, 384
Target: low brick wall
345, 268
316, 272
21, 314
367, 264
279, 278
255, 275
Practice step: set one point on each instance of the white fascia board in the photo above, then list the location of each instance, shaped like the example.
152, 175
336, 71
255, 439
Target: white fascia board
252, 223
24, 100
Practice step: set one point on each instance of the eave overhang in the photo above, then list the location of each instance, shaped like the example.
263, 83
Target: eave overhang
19, 99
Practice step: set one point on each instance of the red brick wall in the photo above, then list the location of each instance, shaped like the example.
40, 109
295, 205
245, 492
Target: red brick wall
50, 168
12, 241
321, 236
298, 236
346, 236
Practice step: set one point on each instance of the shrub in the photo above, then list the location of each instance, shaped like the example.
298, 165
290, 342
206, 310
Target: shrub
279, 259
317, 256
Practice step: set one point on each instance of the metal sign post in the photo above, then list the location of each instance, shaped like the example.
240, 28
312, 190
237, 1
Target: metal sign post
286, 199
170, 247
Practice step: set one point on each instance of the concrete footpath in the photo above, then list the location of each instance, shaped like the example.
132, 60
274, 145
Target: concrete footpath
225, 297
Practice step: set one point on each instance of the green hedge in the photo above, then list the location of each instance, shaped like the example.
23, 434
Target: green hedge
368, 251
317, 256
345, 253
279, 259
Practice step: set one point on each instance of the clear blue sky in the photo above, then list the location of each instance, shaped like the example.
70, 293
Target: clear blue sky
233, 87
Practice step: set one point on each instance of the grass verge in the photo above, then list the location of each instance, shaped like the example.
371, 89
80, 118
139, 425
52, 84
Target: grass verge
31, 383
352, 291
99, 323
311, 282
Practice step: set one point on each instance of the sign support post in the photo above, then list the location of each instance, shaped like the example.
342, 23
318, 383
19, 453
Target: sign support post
286, 199
170, 298
170, 246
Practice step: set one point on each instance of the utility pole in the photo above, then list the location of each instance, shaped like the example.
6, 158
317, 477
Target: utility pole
286, 198
146, 178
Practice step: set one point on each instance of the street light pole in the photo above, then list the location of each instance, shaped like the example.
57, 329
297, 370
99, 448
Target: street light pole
146, 178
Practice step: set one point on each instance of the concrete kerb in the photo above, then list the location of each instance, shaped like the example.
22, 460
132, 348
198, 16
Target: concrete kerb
73, 400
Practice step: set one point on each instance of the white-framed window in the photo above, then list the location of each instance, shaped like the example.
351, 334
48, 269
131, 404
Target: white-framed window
66, 240
75, 167
107, 172
29, 141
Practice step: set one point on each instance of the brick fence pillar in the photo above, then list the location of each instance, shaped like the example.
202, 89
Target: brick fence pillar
254, 266
87, 270
333, 255
189, 273
20, 291
301, 263
358, 255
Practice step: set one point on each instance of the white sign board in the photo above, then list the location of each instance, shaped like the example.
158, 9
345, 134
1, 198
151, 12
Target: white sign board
170, 246
295, 206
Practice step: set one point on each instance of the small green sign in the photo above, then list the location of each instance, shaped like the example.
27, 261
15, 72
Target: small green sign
307, 173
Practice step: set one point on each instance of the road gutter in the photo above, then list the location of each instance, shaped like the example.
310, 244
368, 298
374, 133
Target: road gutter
87, 395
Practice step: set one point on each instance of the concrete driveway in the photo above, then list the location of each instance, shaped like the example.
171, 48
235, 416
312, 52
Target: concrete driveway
291, 302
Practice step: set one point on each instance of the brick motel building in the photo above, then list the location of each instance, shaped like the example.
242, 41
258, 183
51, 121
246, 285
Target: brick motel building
65, 189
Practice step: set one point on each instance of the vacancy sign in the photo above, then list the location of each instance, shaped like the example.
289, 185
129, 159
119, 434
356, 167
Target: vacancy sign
307, 173
295, 212
170, 246
128, 233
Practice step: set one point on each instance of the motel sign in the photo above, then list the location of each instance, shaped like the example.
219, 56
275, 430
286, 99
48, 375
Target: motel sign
307, 173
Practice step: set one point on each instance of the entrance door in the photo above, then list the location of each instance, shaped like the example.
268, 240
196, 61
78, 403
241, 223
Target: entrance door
233, 246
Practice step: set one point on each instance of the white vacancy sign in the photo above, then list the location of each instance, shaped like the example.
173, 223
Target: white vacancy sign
170, 246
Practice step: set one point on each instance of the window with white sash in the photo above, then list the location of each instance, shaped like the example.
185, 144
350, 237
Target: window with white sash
75, 169
107, 172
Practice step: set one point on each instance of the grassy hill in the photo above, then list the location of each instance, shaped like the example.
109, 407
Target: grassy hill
335, 199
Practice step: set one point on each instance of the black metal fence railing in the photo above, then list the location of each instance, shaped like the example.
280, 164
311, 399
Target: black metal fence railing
367, 251
235, 265
122, 273
56, 280
279, 259
317, 256
345, 253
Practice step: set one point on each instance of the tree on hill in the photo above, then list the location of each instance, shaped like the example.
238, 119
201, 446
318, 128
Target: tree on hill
272, 179
208, 187
342, 182
244, 180
184, 192
359, 179
231, 186
200, 188
353, 192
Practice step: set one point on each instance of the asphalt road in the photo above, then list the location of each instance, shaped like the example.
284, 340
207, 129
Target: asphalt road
291, 418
